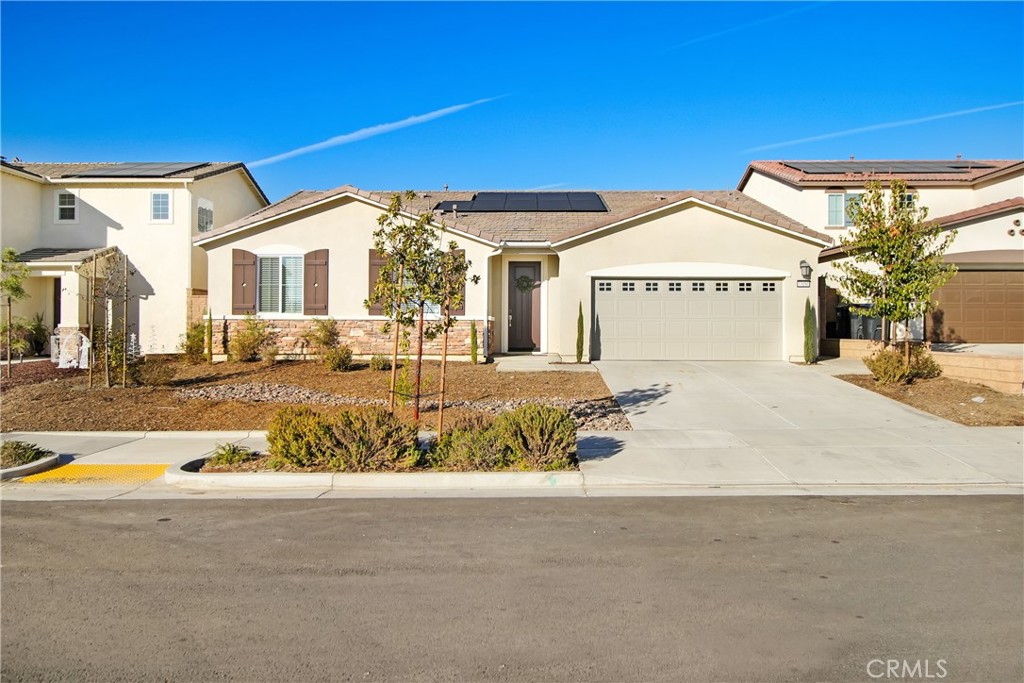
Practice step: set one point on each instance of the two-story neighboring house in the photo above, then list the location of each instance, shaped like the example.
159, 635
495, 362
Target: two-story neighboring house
58, 216
982, 200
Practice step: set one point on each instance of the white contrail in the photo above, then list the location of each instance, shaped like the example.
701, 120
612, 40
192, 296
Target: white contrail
545, 187
882, 126
371, 131
741, 27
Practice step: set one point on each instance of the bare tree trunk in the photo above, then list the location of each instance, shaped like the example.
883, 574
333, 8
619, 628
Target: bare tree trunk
906, 342
124, 325
92, 320
108, 319
444, 365
10, 337
394, 355
419, 370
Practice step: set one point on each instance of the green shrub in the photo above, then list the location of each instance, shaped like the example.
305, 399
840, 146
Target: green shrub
14, 453
209, 336
404, 384
251, 341
579, 335
922, 364
193, 346
538, 437
474, 346
231, 454
322, 335
269, 355
21, 337
300, 437
887, 366
810, 333
380, 362
468, 448
372, 440
338, 359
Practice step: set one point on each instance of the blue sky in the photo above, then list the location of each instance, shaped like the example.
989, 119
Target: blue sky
574, 95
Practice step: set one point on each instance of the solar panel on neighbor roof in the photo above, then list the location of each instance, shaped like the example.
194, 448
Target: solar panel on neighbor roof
527, 202
826, 167
139, 170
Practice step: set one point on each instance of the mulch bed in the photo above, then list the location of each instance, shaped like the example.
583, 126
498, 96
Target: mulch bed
952, 400
33, 373
245, 396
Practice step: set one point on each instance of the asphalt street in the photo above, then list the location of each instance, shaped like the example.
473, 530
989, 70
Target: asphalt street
628, 589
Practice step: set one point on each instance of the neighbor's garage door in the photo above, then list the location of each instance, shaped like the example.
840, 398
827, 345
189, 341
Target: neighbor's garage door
980, 307
687, 319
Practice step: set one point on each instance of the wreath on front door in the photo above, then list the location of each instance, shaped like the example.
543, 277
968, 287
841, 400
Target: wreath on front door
525, 283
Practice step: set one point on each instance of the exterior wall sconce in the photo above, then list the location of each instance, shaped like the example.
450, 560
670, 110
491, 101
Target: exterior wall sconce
805, 270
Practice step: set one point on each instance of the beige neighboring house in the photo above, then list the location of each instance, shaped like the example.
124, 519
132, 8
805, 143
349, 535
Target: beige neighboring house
982, 199
659, 275
59, 216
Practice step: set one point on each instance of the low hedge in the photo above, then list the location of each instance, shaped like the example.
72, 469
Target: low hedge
529, 438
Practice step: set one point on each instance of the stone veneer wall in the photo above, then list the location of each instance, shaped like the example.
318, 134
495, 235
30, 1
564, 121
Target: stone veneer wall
364, 337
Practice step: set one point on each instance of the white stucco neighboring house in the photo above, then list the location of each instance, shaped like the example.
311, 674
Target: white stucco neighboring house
59, 216
659, 275
983, 200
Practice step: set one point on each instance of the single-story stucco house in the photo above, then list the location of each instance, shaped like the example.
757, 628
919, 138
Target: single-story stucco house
659, 275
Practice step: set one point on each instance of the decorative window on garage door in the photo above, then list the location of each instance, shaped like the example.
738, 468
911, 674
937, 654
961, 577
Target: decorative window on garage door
675, 286
650, 286
604, 286
628, 286
721, 286
767, 286
746, 286
696, 286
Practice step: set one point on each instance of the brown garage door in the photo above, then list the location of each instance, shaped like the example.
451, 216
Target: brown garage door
980, 307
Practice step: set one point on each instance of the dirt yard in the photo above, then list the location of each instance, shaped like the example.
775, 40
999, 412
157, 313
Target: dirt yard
241, 396
952, 400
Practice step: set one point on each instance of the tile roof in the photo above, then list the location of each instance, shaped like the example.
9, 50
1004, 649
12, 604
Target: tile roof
779, 169
985, 211
515, 226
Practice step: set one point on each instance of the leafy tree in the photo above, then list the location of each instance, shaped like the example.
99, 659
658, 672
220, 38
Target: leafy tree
448, 286
895, 257
13, 275
407, 248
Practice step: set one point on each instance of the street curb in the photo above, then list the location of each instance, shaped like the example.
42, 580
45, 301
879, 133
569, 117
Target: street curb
40, 465
179, 474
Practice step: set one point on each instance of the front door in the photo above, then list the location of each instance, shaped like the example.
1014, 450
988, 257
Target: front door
524, 306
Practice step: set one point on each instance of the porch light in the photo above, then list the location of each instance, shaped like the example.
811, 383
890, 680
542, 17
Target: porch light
805, 270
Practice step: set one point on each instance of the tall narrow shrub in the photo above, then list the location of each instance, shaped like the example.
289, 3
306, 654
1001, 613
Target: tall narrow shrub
209, 336
579, 335
810, 332
474, 349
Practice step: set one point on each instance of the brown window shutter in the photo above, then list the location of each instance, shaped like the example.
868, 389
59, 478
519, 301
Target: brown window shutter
243, 282
376, 262
461, 309
314, 283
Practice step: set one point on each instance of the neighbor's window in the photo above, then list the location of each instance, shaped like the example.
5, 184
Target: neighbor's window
67, 207
204, 221
908, 200
836, 209
160, 207
851, 201
280, 284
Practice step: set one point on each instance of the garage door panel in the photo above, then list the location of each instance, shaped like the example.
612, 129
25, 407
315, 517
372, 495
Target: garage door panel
979, 307
656, 321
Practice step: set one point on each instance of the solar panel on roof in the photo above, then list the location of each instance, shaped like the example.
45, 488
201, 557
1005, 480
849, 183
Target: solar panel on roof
526, 202
553, 201
155, 169
586, 201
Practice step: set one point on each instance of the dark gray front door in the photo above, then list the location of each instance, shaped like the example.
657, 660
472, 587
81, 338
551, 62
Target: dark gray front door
523, 306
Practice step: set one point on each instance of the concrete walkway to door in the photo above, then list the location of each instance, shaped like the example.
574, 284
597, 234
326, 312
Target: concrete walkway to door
770, 424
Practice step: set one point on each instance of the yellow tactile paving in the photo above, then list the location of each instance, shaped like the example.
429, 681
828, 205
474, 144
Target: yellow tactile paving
123, 475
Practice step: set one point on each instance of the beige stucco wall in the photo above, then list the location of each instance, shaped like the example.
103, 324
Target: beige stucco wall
996, 191
233, 197
345, 228
692, 234
21, 201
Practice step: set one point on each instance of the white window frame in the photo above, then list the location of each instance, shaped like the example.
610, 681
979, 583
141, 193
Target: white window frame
57, 207
847, 221
203, 204
828, 201
280, 285
170, 207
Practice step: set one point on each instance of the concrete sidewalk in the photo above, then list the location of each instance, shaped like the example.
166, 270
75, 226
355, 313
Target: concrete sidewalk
891, 460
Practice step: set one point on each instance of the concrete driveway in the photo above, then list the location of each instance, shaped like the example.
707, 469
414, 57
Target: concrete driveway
774, 423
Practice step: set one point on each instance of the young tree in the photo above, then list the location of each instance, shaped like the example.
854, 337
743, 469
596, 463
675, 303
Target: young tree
13, 275
449, 287
406, 249
895, 257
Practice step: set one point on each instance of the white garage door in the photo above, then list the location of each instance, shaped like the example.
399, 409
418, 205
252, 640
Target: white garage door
687, 319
